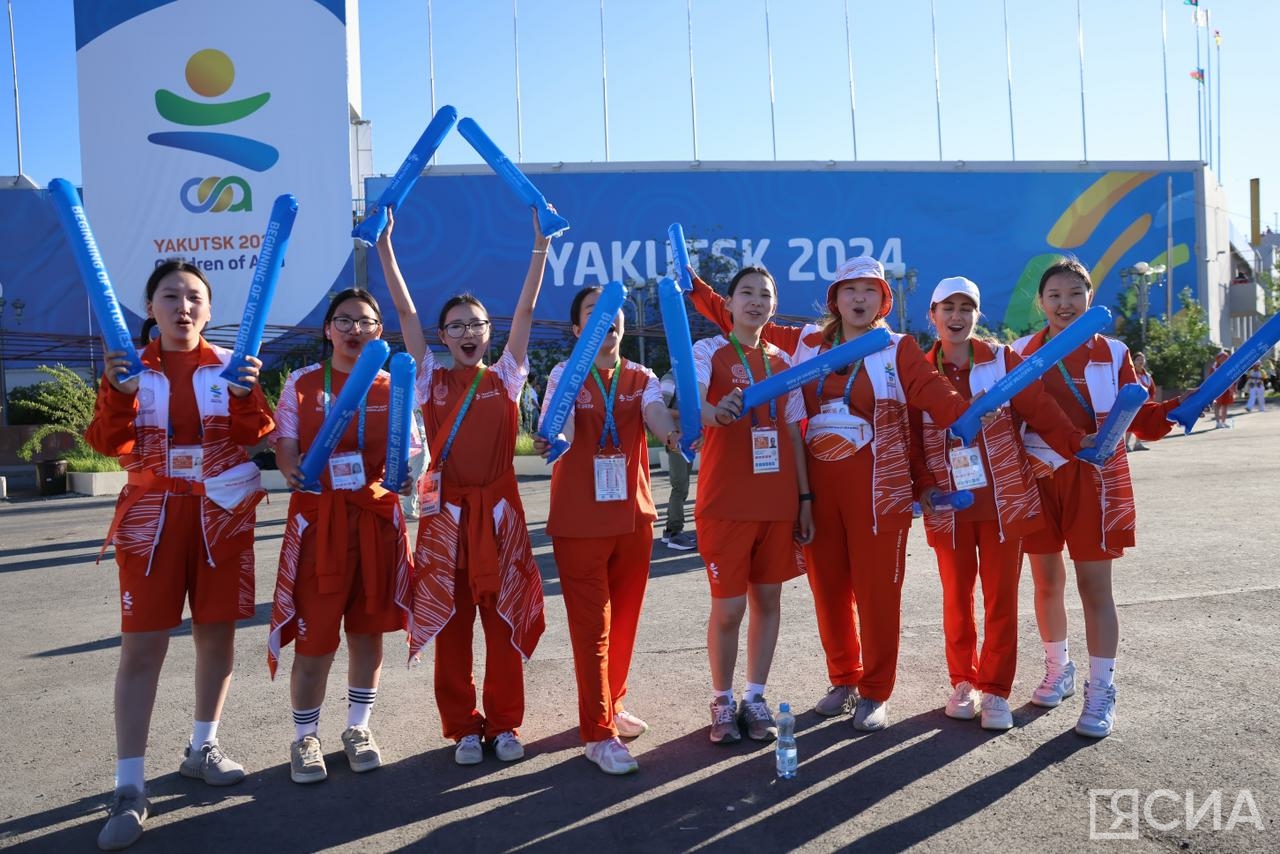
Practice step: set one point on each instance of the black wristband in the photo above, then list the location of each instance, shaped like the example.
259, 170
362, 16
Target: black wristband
806, 496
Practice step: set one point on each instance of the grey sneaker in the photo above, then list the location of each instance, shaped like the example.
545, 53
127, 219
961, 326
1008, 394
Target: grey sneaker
682, 542
507, 746
362, 751
306, 760
838, 700
129, 811
210, 764
754, 716
469, 751
1099, 714
1056, 686
724, 721
870, 715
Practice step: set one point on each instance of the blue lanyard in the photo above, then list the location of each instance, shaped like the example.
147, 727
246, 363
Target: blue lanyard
462, 413
610, 426
848, 386
751, 378
328, 382
1075, 390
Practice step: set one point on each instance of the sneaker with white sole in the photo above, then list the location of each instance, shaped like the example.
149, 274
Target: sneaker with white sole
870, 715
964, 703
755, 718
681, 542
306, 760
1099, 714
612, 756
1058, 684
469, 751
129, 811
362, 751
507, 746
628, 725
838, 700
724, 721
995, 713
210, 764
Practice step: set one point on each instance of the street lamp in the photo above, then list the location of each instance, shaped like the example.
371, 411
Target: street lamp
904, 282
18, 306
1141, 277
639, 296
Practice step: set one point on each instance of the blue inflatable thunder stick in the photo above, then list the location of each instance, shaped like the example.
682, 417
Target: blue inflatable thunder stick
342, 411
1032, 368
1128, 401
680, 256
837, 357
399, 420
262, 288
675, 323
551, 223
102, 296
578, 366
1244, 358
372, 226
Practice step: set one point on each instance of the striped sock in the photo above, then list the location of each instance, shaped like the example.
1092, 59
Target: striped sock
306, 722
360, 705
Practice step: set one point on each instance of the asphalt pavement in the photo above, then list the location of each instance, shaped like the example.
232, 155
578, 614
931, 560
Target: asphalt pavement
1193, 765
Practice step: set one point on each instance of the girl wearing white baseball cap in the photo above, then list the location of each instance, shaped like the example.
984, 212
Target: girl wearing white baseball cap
983, 541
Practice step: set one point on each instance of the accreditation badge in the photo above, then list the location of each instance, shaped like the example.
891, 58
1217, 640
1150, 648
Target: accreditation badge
346, 471
764, 450
966, 468
186, 462
611, 477
429, 493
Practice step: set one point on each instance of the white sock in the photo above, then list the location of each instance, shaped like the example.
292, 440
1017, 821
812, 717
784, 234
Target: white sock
203, 732
1055, 652
752, 690
360, 705
306, 722
129, 774
715, 695
1102, 671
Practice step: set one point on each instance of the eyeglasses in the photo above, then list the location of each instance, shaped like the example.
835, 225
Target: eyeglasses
457, 329
342, 323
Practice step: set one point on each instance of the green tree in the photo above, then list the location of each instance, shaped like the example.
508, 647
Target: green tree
1177, 348
65, 405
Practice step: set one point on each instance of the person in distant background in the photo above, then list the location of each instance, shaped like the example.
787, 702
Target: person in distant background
674, 534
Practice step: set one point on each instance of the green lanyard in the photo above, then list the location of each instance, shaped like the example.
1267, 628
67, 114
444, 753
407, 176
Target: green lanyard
328, 394
462, 412
610, 426
751, 378
1072, 387
937, 359
848, 386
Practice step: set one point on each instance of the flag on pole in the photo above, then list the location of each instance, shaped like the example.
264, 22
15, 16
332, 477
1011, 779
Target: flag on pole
1201, 17
1190, 2
1217, 37
1198, 74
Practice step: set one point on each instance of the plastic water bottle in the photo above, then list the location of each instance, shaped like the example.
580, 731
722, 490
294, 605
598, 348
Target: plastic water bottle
785, 749
951, 502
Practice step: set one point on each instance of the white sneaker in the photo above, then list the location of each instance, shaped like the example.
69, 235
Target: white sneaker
870, 715
628, 725
507, 746
1056, 686
964, 702
995, 713
1099, 714
612, 756
469, 751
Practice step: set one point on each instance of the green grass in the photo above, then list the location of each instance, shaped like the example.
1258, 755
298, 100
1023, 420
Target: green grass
91, 462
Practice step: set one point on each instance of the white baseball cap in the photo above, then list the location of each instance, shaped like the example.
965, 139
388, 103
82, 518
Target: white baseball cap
953, 285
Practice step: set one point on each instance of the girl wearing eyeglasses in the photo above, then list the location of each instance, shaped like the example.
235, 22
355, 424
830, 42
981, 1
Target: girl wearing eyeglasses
344, 564
473, 552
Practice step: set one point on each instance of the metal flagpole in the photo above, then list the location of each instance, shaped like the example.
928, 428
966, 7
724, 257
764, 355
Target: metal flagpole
768, 43
1084, 131
937, 77
1008, 60
515, 29
17, 113
1195, 17
1164, 63
604, 83
1208, 90
1217, 48
431, 65
853, 104
693, 93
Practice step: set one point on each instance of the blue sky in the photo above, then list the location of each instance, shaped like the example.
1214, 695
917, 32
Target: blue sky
647, 56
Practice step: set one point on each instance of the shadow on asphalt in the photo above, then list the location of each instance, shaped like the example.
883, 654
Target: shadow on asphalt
671, 804
261, 617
